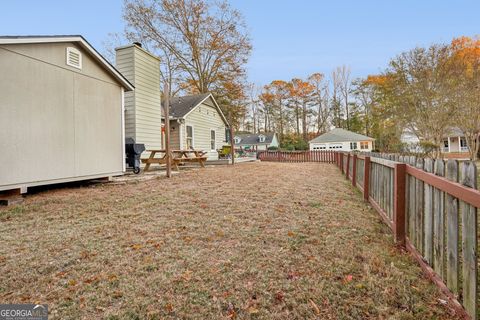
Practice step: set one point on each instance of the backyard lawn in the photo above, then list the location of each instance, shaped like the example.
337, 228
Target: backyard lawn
257, 241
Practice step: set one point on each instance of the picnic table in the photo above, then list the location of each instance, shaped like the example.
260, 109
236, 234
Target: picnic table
178, 157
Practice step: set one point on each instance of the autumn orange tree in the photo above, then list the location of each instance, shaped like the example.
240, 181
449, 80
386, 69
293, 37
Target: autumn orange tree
465, 60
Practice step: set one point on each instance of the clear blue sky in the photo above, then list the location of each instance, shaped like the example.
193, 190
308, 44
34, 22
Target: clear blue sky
291, 38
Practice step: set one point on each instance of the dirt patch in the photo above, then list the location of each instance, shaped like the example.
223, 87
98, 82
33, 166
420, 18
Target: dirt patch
260, 240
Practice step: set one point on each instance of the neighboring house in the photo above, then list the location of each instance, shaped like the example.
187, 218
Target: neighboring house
61, 112
197, 122
454, 143
255, 142
342, 140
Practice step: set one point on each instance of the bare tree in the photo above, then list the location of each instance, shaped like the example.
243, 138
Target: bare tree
204, 44
321, 100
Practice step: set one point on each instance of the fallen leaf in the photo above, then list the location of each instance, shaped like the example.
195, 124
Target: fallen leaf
348, 278
279, 296
315, 307
169, 307
137, 246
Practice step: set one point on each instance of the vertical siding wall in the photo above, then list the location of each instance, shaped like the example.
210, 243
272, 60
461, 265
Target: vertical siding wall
56, 122
143, 115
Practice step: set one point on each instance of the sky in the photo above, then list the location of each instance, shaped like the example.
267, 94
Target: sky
291, 39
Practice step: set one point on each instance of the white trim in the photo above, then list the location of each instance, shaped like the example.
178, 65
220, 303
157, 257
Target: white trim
210, 140
68, 52
449, 143
193, 135
77, 39
124, 168
181, 127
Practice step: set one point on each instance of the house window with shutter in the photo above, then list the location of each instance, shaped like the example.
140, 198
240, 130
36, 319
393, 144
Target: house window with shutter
74, 58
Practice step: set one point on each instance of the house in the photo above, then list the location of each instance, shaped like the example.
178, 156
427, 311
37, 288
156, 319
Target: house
61, 112
454, 144
342, 140
196, 121
255, 142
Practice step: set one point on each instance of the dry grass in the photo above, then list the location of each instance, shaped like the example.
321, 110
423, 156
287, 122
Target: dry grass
258, 241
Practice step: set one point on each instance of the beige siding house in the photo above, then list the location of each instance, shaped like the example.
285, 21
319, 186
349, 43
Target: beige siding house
61, 112
197, 122
143, 114
342, 140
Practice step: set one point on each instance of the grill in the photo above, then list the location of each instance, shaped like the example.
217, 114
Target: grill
133, 151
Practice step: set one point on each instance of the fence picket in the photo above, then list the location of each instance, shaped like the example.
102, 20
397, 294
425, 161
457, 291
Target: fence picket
452, 230
428, 216
411, 204
439, 223
469, 242
419, 191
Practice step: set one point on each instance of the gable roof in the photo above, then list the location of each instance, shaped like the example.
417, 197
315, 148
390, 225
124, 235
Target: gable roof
180, 107
71, 38
340, 135
253, 139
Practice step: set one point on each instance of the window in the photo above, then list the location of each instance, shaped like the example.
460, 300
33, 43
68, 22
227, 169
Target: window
74, 58
237, 140
363, 145
261, 138
189, 137
445, 145
227, 134
212, 140
463, 144
353, 145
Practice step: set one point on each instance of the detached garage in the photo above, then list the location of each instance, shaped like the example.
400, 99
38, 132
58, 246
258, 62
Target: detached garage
61, 112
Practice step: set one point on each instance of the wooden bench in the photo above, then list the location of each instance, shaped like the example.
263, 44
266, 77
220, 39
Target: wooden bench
183, 156
178, 157
152, 160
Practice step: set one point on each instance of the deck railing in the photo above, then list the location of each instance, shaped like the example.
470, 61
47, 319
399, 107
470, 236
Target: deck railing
431, 207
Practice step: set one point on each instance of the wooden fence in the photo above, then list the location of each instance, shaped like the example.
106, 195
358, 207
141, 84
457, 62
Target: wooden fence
431, 207
297, 156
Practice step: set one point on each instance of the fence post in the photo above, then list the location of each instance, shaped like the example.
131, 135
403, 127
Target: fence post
348, 165
366, 178
354, 170
341, 163
399, 203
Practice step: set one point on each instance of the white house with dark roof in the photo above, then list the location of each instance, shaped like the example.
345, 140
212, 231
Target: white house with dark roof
197, 122
342, 140
255, 142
